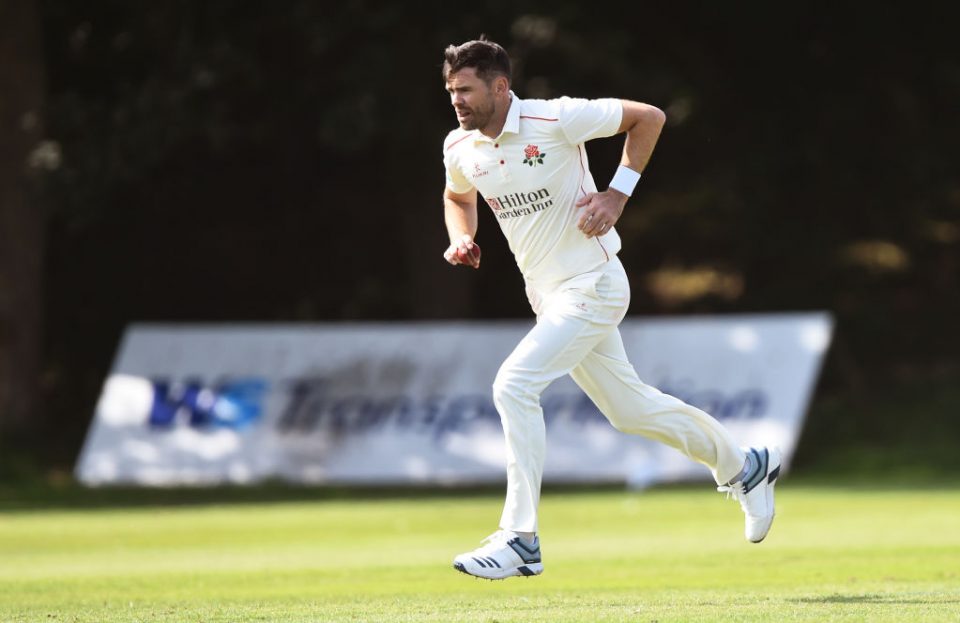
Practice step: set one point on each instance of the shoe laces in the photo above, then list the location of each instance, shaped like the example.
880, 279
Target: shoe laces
497, 540
753, 506
734, 491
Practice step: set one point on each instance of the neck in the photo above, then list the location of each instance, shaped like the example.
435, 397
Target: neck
495, 127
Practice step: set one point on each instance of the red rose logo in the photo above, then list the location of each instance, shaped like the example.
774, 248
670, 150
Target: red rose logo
533, 155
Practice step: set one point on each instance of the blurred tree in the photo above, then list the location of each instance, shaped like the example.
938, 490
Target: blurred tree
23, 155
228, 161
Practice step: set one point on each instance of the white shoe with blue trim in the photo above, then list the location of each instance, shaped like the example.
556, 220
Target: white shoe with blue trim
755, 492
502, 555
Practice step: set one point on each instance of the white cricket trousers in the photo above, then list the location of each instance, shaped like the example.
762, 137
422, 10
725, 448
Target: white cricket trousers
576, 334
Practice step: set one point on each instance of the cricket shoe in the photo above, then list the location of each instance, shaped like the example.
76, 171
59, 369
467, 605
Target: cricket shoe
755, 492
502, 555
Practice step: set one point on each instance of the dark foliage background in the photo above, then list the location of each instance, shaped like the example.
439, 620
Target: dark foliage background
230, 161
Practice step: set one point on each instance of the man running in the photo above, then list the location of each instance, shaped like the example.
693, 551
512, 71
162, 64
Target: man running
527, 159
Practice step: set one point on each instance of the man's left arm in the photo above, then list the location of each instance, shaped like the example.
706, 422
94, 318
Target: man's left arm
642, 124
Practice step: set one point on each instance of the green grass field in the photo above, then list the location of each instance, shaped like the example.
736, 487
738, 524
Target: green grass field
670, 554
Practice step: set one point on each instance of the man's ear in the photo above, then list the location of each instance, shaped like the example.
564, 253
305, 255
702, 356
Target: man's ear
501, 86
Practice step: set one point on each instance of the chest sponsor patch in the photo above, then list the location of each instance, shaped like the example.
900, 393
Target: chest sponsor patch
514, 205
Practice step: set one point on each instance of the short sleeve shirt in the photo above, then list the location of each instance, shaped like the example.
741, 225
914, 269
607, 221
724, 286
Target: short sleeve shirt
532, 175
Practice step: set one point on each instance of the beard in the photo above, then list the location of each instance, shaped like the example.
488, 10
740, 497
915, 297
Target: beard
479, 116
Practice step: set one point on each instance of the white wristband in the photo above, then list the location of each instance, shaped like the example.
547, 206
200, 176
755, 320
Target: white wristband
625, 180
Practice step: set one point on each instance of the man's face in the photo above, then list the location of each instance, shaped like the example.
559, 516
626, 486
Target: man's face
472, 99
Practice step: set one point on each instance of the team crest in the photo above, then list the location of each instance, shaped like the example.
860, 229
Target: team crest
532, 155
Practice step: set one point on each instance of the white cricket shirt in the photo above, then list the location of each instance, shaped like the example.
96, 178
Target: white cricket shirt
532, 175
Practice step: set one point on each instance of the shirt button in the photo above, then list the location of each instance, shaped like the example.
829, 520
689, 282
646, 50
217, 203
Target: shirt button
501, 162
496, 144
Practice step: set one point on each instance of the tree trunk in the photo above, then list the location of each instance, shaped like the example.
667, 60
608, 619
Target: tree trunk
23, 156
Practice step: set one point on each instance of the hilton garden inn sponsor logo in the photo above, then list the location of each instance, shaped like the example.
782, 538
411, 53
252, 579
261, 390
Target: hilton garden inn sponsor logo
520, 204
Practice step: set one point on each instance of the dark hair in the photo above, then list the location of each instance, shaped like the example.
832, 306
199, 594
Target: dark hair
489, 59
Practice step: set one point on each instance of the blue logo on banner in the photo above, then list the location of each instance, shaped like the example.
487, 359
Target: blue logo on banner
233, 403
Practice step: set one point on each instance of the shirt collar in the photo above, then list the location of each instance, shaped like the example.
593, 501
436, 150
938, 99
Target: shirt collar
512, 123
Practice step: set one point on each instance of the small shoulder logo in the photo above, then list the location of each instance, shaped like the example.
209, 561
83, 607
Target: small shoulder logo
477, 171
532, 155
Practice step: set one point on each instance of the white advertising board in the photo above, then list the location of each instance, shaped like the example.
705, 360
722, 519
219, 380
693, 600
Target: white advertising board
411, 402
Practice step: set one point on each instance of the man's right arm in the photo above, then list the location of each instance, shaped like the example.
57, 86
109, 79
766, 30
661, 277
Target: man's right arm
460, 214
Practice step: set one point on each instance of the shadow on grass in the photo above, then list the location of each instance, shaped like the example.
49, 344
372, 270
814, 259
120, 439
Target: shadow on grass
877, 598
64, 493
70, 495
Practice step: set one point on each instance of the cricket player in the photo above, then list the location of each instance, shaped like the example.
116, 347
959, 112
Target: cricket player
527, 159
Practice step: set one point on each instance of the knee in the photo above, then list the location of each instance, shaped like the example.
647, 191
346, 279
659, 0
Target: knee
511, 386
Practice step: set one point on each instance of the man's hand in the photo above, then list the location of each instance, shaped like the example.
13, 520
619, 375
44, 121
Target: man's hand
465, 251
601, 211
